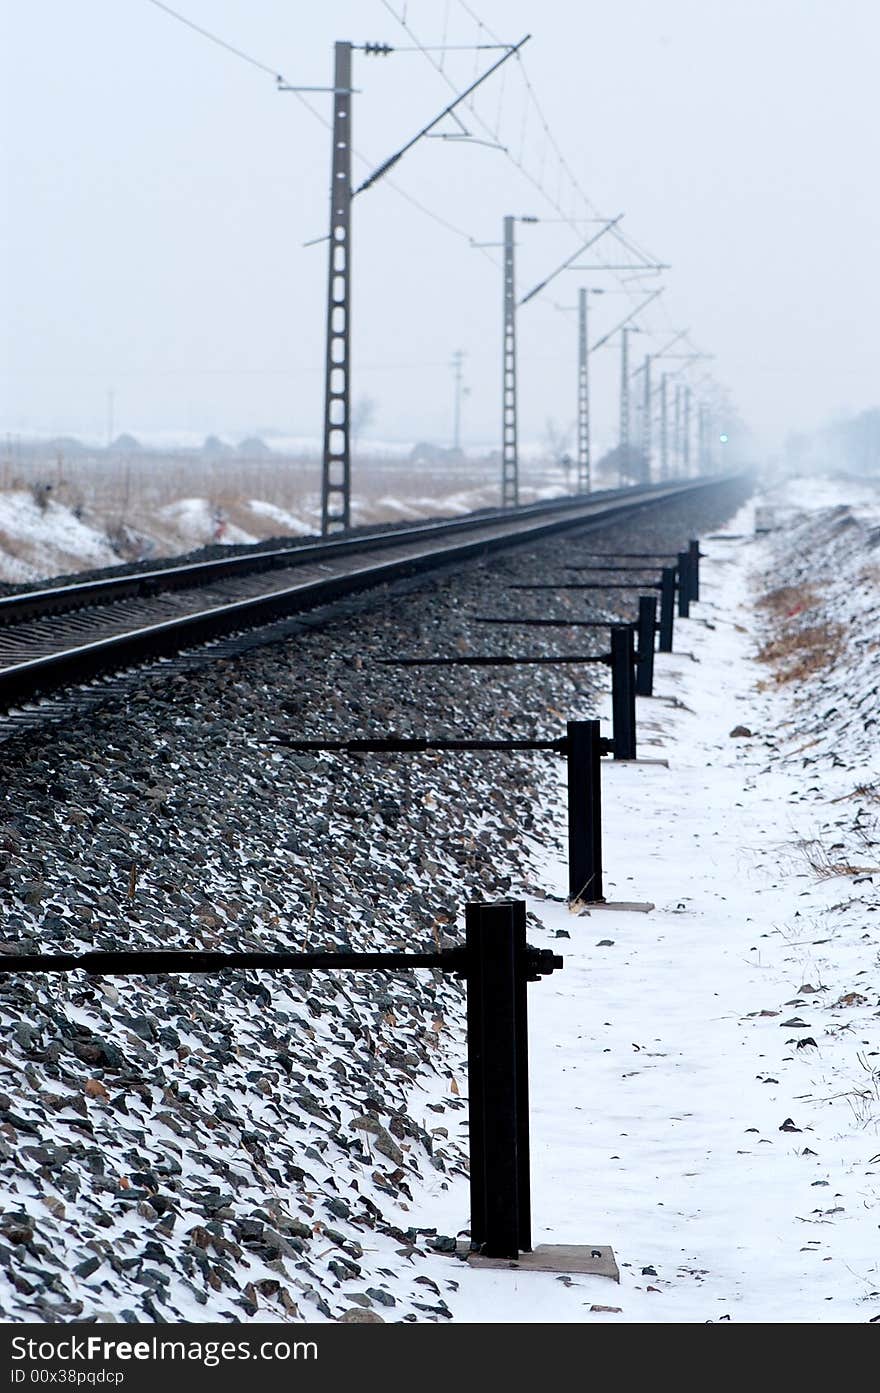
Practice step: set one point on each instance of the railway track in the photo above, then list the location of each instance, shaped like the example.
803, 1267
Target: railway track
63, 636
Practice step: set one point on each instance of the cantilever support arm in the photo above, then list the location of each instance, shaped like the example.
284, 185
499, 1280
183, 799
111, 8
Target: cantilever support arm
447, 111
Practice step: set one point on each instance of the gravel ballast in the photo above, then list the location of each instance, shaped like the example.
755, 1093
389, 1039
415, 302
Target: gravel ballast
242, 1146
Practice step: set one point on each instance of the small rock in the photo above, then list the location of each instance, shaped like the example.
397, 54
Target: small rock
443, 1244
384, 1298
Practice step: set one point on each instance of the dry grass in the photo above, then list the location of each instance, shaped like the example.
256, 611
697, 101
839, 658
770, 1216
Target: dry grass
824, 866
798, 650
787, 600
801, 653
870, 793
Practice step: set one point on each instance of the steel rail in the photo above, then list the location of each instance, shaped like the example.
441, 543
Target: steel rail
420, 549
61, 599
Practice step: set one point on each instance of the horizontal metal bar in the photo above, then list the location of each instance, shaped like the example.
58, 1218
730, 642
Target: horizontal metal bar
416, 744
537, 962
184, 960
23, 680
588, 585
493, 660
559, 623
31, 604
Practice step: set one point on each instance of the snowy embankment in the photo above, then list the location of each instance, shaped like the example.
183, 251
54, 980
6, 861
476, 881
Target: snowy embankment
259, 1148
65, 517
706, 1076
704, 1082
39, 537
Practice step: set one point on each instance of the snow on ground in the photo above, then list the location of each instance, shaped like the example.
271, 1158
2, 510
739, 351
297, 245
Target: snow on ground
196, 520
39, 536
281, 518
132, 505
705, 1080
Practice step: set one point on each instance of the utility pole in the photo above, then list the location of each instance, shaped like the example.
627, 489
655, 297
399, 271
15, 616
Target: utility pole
664, 427
646, 420
583, 407
509, 451
336, 475
686, 434
624, 399
676, 430
706, 430
458, 379
336, 470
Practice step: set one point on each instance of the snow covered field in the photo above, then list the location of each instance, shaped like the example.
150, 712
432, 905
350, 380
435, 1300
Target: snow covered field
706, 1076
705, 1080
73, 514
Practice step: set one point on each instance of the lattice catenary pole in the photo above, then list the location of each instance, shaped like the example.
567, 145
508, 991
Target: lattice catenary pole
624, 400
647, 442
509, 451
336, 476
583, 408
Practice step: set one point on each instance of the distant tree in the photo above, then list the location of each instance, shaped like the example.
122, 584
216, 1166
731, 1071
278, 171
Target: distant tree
427, 453
67, 445
363, 413
124, 444
557, 443
253, 445
213, 445
623, 464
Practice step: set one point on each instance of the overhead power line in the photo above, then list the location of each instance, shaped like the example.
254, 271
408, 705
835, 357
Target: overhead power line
215, 39
447, 110
277, 75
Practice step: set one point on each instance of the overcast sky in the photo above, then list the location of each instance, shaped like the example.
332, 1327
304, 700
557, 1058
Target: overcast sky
157, 192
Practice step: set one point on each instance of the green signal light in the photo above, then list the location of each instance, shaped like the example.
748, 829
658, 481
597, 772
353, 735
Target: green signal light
724, 439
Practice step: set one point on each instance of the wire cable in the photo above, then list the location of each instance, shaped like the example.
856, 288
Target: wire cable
215, 39
257, 63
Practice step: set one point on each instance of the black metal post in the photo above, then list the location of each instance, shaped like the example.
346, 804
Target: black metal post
523, 1141
684, 584
646, 631
667, 608
497, 964
500, 1200
694, 552
584, 748
623, 693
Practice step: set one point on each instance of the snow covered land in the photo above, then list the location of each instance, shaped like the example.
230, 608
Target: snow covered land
65, 513
705, 1075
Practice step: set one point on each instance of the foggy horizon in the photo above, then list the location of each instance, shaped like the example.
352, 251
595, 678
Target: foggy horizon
158, 192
